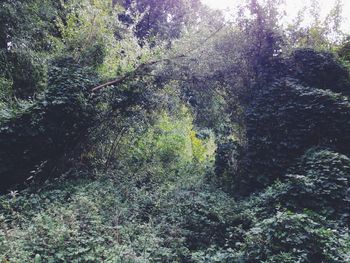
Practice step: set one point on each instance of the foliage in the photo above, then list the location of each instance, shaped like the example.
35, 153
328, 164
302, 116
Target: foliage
167, 149
211, 140
25, 72
311, 29
344, 51
284, 121
69, 232
29, 35
30, 24
164, 19
317, 184
95, 37
226, 163
321, 183
43, 133
288, 237
320, 70
113, 219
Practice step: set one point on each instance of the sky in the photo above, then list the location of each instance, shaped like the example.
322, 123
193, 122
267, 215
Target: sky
291, 7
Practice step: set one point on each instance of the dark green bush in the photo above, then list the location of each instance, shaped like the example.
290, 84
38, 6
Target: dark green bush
284, 121
320, 70
192, 220
288, 237
28, 73
322, 183
68, 222
50, 128
25, 71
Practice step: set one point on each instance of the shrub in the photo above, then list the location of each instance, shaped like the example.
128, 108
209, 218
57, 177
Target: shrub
288, 237
320, 70
284, 121
319, 183
192, 220
69, 222
322, 183
41, 134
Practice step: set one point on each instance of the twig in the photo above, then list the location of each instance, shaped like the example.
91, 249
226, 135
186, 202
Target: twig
114, 146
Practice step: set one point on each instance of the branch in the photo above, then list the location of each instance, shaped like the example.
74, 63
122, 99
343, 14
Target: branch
142, 65
133, 73
113, 82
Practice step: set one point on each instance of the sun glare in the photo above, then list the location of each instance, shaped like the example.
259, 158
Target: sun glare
219, 4
291, 7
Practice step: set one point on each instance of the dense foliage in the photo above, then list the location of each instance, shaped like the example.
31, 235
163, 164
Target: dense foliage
48, 129
160, 131
275, 129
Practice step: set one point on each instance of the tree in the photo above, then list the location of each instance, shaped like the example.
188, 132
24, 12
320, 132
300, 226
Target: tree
163, 19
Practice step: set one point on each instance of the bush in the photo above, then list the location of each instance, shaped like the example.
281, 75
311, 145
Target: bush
40, 135
288, 237
319, 183
171, 145
26, 71
320, 70
67, 223
284, 121
322, 183
113, 219
202, 217
5, 89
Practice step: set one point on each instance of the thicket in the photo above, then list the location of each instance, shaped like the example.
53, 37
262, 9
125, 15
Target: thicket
275, 129
158, 131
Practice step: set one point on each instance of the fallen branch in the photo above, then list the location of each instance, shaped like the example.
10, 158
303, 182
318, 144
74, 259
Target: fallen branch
142, 65
113, 82
133, 73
